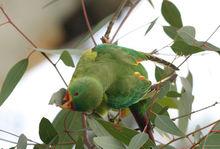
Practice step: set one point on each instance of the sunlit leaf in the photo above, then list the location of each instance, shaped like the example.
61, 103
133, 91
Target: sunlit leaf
170, 31
108, 142
171, 14
67, 59
22, 142
164, 123
187, 33
97, 128
209, 47
12, 79
185, 102
71, 121
151, 26
138, 141
47, 132
58, 96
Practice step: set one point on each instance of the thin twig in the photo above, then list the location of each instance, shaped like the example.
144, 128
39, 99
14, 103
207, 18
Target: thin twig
123, 21
4, 23
114, 18
5, 140
212, 34
4, 131
197, 143
87, 22
185, 115
85, 135
184, 61
189, 134
31, 42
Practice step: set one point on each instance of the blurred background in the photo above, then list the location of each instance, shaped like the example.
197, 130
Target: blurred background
61, 23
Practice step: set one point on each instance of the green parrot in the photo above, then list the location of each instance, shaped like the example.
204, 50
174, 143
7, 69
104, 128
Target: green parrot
111, 76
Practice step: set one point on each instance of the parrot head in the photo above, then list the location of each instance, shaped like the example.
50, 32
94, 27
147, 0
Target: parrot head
83, 94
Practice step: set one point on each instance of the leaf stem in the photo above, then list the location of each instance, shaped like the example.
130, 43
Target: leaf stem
114, 18
174, 140
30, 41
125, 18
185, 115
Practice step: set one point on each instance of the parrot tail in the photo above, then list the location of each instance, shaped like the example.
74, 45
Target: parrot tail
142, 120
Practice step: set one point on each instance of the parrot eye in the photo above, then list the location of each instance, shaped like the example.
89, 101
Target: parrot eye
76, 94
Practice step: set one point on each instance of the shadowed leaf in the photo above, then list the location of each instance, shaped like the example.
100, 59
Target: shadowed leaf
47, 132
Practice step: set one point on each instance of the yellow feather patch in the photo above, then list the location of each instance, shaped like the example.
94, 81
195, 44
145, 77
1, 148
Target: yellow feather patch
90, 55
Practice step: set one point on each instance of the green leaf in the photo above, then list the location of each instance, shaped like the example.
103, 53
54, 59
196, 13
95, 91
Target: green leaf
164, 90
67, 59
185, 102
171, 14
12, 79
58, 96
47, 132
170, 31
22, 142
212, 139
173, 94
159, 73
73, 123
122, 134
108, 142
169, 102
164, 123
138, 141
97, 128
41, 146
151, 26
187, 33
79, 144
182, 48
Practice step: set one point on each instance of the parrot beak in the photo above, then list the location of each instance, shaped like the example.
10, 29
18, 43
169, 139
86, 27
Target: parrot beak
67, 102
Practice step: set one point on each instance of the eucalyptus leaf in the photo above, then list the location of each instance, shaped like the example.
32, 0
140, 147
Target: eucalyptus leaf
22, 142
170, 31
182, 48
164, 123
71, 121
173, 94
97, 128
185, 102
67, 59
169, 102
13, 77
151, 26
57, 97
187, 33
138, 141
198, 135
47, 132
79, 144
108, 142
122, 134
171, 14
